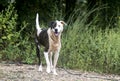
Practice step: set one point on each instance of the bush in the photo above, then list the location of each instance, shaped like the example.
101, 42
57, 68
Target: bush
8, 24
15, 45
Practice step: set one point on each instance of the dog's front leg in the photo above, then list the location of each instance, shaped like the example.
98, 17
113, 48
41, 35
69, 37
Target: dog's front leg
55, 62
51, 64
47, 62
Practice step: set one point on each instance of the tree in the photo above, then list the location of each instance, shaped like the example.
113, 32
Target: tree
108, 16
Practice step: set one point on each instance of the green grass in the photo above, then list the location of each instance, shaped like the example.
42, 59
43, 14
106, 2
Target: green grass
91, 48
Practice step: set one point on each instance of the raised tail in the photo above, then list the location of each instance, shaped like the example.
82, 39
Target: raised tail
37, 25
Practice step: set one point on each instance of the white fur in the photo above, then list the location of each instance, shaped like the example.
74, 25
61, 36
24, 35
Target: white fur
51, 64
47, 62
56, 55
59, 26
40, 67
37, 25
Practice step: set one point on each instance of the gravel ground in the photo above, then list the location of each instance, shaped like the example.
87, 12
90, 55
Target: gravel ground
23, 72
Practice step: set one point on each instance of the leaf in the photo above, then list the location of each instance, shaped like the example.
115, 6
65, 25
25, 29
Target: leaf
1, 40
4, 37
10, 36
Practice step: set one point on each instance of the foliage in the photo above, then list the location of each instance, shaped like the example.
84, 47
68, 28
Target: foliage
88, 47
108, 16
8, 23
14, 46
91, 50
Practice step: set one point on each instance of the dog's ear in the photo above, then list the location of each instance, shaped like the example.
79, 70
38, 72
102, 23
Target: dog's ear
62, 22
52, 24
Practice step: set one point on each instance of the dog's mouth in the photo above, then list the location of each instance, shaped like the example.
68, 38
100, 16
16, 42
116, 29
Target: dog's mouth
56, 33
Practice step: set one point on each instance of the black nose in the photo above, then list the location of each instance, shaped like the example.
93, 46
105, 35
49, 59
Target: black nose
56, 30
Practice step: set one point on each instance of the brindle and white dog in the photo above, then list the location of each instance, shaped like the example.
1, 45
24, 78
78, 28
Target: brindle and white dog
51, 40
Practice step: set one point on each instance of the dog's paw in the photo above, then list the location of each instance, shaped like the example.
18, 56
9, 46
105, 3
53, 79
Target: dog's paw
55, 73
51, 68
40, 68
48, 70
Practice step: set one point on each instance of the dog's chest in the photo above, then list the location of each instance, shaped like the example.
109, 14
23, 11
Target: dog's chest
54, 45
54, 42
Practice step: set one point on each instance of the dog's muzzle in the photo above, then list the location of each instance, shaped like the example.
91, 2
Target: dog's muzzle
56, 32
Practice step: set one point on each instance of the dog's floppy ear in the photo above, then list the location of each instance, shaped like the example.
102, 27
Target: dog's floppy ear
62, 22
52, 24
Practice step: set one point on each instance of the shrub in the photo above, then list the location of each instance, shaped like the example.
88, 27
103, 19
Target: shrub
15, 47
8, 23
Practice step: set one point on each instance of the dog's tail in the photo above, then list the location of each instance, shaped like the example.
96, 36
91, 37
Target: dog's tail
37, 24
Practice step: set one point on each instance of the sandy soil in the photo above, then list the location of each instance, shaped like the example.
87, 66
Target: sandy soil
15, 72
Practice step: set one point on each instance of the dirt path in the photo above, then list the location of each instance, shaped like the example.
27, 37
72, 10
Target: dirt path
13, 72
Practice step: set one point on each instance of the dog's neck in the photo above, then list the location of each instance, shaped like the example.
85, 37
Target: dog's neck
53, 37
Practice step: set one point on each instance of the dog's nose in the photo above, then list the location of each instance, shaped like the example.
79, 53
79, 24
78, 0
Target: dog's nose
56, 30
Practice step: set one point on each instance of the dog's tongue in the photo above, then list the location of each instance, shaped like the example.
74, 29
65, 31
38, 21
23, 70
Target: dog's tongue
56, 33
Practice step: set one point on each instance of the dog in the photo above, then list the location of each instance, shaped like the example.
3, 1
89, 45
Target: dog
50, 38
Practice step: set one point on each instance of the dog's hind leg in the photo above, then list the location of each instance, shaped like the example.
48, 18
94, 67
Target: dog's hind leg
38, 55
39, 58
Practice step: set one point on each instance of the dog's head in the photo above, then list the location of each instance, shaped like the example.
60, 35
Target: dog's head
57, 27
